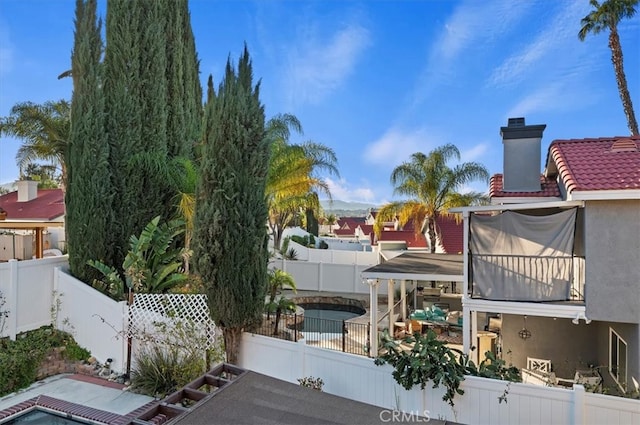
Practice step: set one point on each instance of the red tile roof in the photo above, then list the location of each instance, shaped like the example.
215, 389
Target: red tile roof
366, 228
350, 222
409, 236
344, 232
548, 188
608, 163
47, 206
451, 235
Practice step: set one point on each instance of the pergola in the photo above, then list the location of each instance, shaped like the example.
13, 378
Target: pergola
409, 266
37, 227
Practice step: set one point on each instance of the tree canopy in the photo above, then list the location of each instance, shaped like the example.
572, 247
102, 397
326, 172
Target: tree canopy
230, 236
606, 16
431, 186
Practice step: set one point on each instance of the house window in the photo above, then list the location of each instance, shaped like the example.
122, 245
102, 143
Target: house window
618, 359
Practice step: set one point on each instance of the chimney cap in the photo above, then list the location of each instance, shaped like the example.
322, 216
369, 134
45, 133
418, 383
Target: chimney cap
516, 129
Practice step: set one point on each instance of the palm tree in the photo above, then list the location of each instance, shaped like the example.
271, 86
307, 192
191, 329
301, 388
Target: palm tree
432, 186
293, 182
45, 129
279, 280
331, 220
607, 15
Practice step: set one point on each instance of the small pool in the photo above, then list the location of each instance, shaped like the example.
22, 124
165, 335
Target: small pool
42, 417
328, 318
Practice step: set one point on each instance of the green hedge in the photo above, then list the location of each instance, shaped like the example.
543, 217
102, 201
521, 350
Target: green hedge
20, 359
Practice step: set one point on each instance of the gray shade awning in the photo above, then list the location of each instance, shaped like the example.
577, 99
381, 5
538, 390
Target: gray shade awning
419, 266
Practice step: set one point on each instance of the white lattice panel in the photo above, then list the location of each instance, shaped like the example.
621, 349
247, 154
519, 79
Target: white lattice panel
168, 317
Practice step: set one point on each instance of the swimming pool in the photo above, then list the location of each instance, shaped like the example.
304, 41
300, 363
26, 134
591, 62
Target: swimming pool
43, 417
328, 318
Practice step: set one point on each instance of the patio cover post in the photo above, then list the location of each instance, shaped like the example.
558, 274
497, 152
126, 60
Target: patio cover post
373, 317
474, 337
390, 303
403, 297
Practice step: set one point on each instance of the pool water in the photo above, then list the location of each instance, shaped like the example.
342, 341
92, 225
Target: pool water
327, 318
40, 417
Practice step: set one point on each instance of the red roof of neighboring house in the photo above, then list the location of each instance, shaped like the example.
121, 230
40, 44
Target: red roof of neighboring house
607, 163
366, 229
409, 236
350, 222
451, 235
47, 206
548, 188
344, 232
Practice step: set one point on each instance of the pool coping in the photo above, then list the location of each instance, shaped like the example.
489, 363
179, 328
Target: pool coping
98, 416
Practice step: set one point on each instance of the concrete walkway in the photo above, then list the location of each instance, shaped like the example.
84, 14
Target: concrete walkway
88, 391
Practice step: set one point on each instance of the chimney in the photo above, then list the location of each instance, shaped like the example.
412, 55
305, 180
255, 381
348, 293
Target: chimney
27, 190
521, 160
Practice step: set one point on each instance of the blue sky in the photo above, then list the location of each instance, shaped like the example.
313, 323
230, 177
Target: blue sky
374, 80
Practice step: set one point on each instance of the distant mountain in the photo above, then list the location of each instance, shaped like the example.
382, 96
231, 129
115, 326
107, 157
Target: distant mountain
335, 206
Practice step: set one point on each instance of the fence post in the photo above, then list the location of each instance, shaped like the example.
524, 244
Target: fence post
344, 336
578, 404
12, 299
56, 292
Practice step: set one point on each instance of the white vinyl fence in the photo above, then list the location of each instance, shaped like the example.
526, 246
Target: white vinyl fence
311, 276
96, 321
335, 256
358, 378
39, 292
27, 292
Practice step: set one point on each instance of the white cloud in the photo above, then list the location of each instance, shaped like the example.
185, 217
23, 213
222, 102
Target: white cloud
319, 66
344, 191
537, 100
396, 146
472, 25
473, 153
549, 49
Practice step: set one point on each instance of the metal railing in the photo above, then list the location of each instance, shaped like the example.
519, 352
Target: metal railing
339, 335
536, 270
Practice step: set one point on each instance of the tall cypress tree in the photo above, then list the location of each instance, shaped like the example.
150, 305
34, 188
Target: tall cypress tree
89, 192
192, 88
145, 190
177, 143
124, 118
230, 238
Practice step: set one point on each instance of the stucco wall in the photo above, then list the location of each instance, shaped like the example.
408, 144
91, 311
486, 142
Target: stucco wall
613, 260
568, 346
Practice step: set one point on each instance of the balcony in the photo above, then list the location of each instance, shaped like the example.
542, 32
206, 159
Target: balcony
526, 278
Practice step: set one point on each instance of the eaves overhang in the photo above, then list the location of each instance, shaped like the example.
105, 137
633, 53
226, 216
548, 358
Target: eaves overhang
560, 311
604, 195
514, 207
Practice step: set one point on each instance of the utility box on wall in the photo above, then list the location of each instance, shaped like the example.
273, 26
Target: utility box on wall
13, 246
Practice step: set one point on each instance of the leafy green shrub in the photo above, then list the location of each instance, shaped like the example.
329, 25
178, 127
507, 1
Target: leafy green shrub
431, 360
307, 240
152, 265
428, 360
20, 359
162, 370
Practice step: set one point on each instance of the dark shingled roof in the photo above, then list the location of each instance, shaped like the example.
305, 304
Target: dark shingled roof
419, 263
254, 398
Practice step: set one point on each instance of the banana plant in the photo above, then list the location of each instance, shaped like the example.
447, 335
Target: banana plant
152, 265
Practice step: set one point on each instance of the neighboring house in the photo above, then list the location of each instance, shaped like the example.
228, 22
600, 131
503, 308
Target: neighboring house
449, 239
33, 221
553, 265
